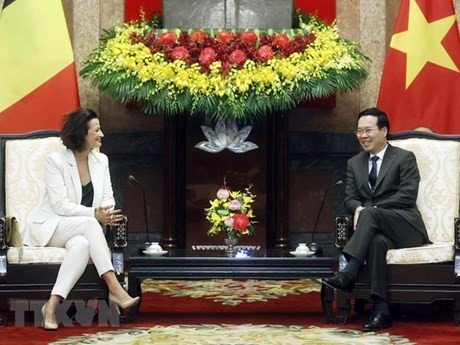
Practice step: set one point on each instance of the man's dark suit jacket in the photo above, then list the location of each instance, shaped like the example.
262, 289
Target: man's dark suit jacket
396, 187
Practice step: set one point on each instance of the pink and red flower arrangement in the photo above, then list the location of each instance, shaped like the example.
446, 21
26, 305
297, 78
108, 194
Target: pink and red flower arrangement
231, 212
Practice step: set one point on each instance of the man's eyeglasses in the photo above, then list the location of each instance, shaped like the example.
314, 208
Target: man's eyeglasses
367, 131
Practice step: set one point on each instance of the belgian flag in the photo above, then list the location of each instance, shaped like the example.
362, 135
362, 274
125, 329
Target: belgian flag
38, 82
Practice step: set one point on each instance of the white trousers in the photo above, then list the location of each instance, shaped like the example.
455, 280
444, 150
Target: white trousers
83, 238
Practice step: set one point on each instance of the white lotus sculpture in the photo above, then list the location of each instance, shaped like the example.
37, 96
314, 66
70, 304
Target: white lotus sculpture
226, 136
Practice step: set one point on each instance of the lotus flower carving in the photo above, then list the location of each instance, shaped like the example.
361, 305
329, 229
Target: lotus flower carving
226, 135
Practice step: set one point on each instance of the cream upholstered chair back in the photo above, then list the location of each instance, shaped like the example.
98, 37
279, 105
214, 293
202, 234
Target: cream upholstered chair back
25, 175
24, 189
438, 198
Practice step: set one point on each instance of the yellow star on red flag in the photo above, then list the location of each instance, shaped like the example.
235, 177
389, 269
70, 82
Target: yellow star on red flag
421, 79
422, 42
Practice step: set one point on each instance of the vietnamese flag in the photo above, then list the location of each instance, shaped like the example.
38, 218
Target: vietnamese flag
38, 82
420, 84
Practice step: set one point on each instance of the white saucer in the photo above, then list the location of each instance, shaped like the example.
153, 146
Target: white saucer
146, 252
302, 254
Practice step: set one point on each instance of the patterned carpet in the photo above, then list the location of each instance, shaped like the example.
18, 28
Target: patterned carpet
234, 295
234, 335
232, 292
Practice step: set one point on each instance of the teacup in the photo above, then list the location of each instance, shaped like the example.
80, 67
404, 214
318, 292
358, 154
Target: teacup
154, 248
302, 249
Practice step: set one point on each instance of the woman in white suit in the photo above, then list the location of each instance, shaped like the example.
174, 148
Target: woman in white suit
77, 201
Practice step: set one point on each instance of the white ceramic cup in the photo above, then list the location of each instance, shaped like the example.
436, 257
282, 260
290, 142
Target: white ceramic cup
302, 248
154, 248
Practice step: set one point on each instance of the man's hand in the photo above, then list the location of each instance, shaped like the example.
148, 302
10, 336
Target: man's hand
356, 216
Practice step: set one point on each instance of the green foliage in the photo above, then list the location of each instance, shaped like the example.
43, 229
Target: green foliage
132, 63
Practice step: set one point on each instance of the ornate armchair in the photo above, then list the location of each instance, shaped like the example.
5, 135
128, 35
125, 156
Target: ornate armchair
28, 272
430, 273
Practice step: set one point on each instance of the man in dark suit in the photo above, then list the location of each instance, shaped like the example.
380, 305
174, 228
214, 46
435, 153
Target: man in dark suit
381, 191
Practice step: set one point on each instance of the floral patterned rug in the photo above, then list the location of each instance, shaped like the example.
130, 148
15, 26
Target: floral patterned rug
247, 334
232, 292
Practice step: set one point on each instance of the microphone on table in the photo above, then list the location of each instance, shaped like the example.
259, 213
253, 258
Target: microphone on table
315, 247
146, 224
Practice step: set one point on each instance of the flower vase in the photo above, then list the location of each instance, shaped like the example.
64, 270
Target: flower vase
230, 242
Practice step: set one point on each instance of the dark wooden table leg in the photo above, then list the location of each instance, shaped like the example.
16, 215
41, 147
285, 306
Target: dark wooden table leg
327, 297
343, 307
3, 318
134, 289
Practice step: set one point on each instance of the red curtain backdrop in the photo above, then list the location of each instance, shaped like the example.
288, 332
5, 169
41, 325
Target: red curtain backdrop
133, 8
323, 9
38, 82
420, 84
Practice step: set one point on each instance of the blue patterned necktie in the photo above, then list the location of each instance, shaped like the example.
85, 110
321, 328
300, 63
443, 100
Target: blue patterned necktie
373, 173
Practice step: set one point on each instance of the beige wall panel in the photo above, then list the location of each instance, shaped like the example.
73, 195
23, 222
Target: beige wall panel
90, 18
347, 105
86, 29
117, 117
372, 39
457, 10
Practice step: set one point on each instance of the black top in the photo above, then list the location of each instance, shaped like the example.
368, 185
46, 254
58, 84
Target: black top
87, 195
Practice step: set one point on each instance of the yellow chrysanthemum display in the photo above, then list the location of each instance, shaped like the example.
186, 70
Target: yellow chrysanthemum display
234, 75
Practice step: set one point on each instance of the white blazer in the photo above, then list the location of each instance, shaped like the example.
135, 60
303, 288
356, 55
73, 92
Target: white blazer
63, 194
